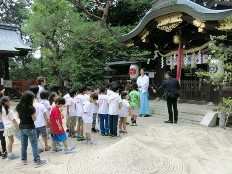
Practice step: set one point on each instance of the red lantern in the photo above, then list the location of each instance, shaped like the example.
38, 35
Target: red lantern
134, 71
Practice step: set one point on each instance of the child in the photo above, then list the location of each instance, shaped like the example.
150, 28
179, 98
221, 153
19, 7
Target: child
41, 84
26, 113
10, 124
103, 111
59, 134
135, 104
95, 111
42, 121
114, 106
80, 100
72, 112
44, 100
124, 112
67, 97
52, 98
88, 117
3, 153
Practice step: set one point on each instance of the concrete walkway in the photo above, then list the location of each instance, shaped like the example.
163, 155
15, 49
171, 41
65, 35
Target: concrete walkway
190, 113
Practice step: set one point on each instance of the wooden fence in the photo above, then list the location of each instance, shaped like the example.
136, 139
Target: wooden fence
193, 90
22, 85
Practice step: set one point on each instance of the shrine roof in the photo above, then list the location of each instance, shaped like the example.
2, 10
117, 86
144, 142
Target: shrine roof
165, 7
10, 40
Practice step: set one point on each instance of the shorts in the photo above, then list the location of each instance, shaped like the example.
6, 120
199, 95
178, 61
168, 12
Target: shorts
10, 131
59, 137
42, 130
87, 128
134, 110
80, 121
72, 121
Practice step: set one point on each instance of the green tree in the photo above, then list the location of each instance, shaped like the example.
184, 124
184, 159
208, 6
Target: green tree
14, 11
220, 64
48, 27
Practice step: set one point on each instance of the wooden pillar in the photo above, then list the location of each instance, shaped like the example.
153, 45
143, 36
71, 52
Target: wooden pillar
6, 68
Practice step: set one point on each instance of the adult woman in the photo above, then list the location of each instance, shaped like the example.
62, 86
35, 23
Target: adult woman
143, 84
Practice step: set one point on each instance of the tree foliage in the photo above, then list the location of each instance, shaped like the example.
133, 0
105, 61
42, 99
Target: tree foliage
14, 11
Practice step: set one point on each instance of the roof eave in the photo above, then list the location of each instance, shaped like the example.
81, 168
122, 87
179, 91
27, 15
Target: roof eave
214, 15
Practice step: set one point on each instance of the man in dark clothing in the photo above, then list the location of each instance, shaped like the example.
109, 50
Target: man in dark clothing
171, 87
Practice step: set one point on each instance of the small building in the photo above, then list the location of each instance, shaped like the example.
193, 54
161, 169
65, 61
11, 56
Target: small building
11, 45
178, 33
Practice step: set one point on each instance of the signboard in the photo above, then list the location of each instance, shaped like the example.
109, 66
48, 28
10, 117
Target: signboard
7, 83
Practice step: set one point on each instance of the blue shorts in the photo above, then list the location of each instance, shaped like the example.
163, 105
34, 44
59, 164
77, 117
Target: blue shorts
59, 137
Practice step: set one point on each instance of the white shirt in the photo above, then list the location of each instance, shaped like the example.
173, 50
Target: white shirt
114, 101
67, 97
109, 92
40, 110
80, 99
143, 82
41, 88
7, 119
72, 107
86, 97
88, 112
124, 111
47, 106
103, 104
95, 108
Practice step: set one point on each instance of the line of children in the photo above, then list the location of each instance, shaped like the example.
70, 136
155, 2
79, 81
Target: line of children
82, 110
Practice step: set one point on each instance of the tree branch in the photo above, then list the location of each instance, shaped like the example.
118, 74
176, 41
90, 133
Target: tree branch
78, 4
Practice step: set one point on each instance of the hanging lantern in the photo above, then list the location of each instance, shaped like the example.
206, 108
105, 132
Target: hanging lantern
177, 39
134, 71
216, 68
171, 63
193, 63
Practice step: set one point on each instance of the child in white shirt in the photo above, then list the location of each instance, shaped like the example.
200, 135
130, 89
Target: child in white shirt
88, 117
72, 112
10, 124
124, 112
44, 100
103, 111
67, 97
114, 106
95, 111
42, 121
80, 99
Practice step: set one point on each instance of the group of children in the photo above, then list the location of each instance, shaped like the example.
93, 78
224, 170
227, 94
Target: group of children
103, 104
40, 113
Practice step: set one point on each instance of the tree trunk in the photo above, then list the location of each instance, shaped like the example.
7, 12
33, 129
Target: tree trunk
105, 14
